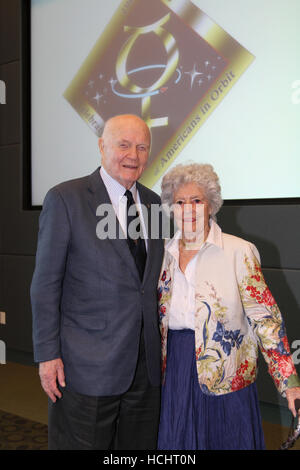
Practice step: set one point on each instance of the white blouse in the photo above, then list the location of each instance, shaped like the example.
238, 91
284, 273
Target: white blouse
182, 308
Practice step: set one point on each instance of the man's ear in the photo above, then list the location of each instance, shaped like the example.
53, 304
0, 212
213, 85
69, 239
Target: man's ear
101, 145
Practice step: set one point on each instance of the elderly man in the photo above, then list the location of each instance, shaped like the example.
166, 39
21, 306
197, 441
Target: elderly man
94, 302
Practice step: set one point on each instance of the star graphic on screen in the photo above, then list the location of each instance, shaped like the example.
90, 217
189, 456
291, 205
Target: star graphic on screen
112, 82
91, 83
193, 74
97, 98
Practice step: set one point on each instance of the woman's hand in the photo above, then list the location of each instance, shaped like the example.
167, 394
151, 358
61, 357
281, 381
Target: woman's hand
293, 394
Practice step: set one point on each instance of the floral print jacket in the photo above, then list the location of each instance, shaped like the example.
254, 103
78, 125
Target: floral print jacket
235, 315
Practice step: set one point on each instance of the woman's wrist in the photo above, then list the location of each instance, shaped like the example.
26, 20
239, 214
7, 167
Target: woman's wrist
293, 381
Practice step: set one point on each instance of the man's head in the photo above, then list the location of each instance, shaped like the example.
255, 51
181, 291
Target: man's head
125, 146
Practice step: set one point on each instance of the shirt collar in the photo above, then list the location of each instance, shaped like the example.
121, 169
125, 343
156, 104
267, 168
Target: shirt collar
214, 238
215, 235
115, 190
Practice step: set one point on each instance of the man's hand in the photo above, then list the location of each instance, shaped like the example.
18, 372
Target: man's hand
292, 394
52, 372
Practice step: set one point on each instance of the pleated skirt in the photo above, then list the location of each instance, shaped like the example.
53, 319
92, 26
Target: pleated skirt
192, 420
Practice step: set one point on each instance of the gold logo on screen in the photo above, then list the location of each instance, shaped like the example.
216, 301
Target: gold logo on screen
169, 69
164, 60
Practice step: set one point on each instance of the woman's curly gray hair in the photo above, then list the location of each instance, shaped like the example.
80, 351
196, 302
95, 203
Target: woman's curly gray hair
200, 173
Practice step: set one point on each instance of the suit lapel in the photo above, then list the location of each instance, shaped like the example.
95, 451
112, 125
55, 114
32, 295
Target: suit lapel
98, 195
146, 206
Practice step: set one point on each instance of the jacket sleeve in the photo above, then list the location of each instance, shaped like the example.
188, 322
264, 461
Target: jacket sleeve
46, 288
266, 320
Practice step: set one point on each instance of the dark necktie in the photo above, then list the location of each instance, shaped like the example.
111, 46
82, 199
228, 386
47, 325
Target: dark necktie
136, 246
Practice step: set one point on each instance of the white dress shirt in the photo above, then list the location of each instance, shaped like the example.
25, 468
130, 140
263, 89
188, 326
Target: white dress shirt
118, 199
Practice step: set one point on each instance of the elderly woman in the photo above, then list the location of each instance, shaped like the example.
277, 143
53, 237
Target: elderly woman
215, 311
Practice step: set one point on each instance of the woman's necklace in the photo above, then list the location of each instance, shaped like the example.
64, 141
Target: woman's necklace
192, 246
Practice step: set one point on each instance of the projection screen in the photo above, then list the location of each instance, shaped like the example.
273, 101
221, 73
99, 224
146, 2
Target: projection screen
217, 82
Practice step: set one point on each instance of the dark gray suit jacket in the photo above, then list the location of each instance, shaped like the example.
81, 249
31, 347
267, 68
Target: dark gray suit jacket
88, 302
